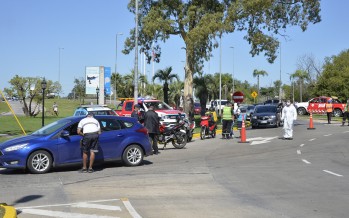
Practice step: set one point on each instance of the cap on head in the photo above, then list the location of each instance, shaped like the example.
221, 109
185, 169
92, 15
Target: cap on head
137, 106
151, 107
89, 114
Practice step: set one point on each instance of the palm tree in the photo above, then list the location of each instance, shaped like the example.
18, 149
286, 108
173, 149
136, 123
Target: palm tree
166, 77
257, 73
301, 75
201, 90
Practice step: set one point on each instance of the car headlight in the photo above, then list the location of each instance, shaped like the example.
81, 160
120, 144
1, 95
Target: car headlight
271, 117
15, 147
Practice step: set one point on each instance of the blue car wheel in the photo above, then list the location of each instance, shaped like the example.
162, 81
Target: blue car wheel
39, 162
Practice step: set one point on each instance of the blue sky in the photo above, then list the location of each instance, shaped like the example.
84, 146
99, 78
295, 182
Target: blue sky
32, 31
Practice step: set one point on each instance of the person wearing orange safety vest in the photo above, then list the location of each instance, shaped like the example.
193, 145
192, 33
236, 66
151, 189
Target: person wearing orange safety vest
329, 110
346, 113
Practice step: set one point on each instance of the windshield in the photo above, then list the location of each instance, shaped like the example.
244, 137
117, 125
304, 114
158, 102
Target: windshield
158, 105
266, 109
52, 127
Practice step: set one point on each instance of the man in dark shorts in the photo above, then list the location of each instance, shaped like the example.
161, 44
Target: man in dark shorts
90, 129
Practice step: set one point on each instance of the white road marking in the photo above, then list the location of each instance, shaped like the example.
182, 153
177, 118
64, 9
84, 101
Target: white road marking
312, 139
301, 145
305, 161
261, 140
330, 172
345, 131
59, 214
328, 135
97, 206
59, 205
130, 209
299, 152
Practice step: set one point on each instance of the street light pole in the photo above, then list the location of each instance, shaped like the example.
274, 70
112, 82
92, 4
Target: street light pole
116, 62
135, 94
220, 74
233, 69
280, 76
43, 86
59, 66
97, 92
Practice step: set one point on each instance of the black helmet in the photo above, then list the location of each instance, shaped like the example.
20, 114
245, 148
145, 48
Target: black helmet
211, 109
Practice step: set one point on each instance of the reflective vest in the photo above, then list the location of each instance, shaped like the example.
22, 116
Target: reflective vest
329, 108
346, 107
227, 113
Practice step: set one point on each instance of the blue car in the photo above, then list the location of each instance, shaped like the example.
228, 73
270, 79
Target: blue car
58, 144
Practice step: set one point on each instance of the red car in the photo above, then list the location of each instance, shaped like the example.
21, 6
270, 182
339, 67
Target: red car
197, 108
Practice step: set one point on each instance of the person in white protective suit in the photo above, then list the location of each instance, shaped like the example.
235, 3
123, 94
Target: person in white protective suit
289, 114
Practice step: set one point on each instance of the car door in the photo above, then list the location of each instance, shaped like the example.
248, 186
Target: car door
111, 140
69, 147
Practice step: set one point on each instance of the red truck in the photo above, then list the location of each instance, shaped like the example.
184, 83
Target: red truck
168, 115
164, 111
318, 106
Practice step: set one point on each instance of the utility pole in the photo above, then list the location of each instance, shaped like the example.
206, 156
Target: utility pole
136, 59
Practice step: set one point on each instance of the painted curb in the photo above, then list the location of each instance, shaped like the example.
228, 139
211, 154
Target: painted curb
10, 212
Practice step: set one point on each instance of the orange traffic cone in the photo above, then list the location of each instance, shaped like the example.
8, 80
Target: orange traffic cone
243, 132
311, 125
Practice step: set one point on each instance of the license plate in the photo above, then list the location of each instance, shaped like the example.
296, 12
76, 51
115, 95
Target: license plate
264, 121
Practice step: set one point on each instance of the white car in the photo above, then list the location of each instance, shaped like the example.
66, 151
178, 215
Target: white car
215, 104
302, 107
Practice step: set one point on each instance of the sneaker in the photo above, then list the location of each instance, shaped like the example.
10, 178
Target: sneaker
90, 170
83, 171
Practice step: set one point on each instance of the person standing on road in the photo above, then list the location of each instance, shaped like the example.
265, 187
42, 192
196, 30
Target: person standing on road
90, 129
55, 108
346, 113
289, 114
227, 119
329, 110
136, 113
152, 123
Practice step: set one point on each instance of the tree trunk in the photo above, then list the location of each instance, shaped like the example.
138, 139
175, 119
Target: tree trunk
165, 89
188, 86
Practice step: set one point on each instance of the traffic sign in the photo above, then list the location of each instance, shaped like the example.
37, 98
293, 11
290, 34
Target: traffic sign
238, 97
254, 94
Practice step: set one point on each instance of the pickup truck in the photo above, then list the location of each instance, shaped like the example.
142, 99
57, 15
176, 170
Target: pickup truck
318, 106
165, 112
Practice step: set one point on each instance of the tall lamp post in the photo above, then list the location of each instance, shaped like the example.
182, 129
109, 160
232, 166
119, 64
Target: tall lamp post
280, 76
97, 92
43, 86
233, 69
59, 66
116, 63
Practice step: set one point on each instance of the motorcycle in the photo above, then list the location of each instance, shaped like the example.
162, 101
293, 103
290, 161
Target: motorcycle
207, 127
189, 127
173, 133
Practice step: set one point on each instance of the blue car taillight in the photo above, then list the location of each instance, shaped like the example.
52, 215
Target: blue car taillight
143, 130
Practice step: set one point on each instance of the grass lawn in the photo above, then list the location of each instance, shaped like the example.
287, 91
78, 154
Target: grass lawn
9, 125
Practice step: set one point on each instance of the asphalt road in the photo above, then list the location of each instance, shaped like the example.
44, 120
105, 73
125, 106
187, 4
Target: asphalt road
267, 177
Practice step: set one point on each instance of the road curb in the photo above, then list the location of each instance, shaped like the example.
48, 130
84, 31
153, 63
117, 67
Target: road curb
10, 212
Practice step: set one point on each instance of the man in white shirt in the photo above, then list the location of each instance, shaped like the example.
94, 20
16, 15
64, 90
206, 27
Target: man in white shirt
90, 129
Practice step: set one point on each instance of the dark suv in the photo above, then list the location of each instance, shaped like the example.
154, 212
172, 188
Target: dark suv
272, 102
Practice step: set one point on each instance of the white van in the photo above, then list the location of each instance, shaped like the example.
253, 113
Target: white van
215, 104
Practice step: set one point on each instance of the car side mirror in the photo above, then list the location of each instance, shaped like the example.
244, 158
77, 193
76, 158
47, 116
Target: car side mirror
65, 133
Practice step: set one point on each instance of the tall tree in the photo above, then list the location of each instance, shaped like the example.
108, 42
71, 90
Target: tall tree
334, 78
79, 89
301, 75
166, 77
201, 84
199, 23
257, 73
29, 88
